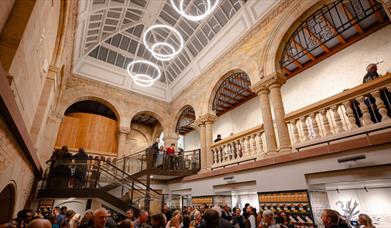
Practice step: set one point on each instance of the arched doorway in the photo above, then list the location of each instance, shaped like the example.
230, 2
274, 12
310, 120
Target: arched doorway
91, 125
7, 202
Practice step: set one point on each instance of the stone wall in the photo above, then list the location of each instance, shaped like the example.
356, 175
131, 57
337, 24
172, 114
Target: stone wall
13, 167
30, 64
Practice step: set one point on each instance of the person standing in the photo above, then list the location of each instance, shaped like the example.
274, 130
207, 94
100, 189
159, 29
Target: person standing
365, 221
81, 168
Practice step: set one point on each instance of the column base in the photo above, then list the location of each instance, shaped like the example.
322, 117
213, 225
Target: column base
204, 170
284, 150
270, 153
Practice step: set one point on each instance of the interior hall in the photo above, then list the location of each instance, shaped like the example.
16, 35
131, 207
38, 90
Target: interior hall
195, 113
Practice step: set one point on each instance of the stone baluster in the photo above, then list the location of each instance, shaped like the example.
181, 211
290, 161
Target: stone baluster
260, 144
304, 128
380, 106
366, 117
325, 122
254, 143
241, 149
337, 119
214, 152
314, 124
295, 136
350, 114
250, 151
221, 153
243, 143
238, 146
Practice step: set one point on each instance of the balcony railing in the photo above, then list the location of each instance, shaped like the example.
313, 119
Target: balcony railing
361, 109
242, 147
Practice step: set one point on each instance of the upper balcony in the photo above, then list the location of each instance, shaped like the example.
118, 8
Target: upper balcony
355, 118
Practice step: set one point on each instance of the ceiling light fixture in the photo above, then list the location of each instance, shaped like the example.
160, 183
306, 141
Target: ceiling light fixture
142, 79
160, 45
181, 10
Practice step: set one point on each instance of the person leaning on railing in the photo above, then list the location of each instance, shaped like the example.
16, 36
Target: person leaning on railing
170, 153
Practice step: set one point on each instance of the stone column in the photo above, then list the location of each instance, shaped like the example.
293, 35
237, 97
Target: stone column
122, 135
263, 93
279, 114
202, 128
209, 120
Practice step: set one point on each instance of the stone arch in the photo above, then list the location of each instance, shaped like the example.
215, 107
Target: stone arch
268, 58
72, 96
179, 112
164, 123
216, 85
7, 200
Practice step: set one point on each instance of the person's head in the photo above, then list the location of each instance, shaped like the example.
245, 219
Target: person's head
127, 223
164, 208
237, 211
186, 220
69, 214
64, 148
203, 207
129, 213
81, 150
246, 205
100, 217
143, 217
268, 216
365, 220
63, 210
39, 223
173, 145
372, 67
28, 216
176, 219
211, 218
329, 217
219, 136
56, 210
158, 220
249, 210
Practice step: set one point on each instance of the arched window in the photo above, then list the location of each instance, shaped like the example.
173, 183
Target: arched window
233, 91
186, 118
327, 31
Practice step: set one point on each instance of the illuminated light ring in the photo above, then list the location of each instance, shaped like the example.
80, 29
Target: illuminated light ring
143, 80
163, 57
181, 11
147, 82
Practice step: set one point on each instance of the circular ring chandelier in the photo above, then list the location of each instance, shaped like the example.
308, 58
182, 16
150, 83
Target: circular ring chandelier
143, 80
182, 12
152, 49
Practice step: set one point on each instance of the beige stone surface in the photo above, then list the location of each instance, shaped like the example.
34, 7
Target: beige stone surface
14, 168
5, 9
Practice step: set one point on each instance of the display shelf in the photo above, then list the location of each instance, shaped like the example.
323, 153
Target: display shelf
295, 204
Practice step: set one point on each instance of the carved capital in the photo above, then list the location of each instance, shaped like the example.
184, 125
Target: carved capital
123, 130
260, 88
275, 80
205, 119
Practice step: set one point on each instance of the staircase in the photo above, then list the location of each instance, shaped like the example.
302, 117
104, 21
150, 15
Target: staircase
99, 179
120, 184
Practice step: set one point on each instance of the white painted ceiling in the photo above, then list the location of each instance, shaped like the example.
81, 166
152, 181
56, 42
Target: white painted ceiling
109, 36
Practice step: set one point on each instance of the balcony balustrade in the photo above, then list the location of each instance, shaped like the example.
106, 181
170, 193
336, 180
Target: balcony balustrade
242, 147
358, 110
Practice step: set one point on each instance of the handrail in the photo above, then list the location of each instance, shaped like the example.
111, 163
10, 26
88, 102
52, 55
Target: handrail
372, 85
109, 164
133, 155
238, 135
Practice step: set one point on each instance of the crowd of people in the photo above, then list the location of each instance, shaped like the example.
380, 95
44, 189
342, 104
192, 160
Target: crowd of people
201, 216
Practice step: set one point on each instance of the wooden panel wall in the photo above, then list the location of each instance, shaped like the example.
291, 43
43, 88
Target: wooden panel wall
96, 134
